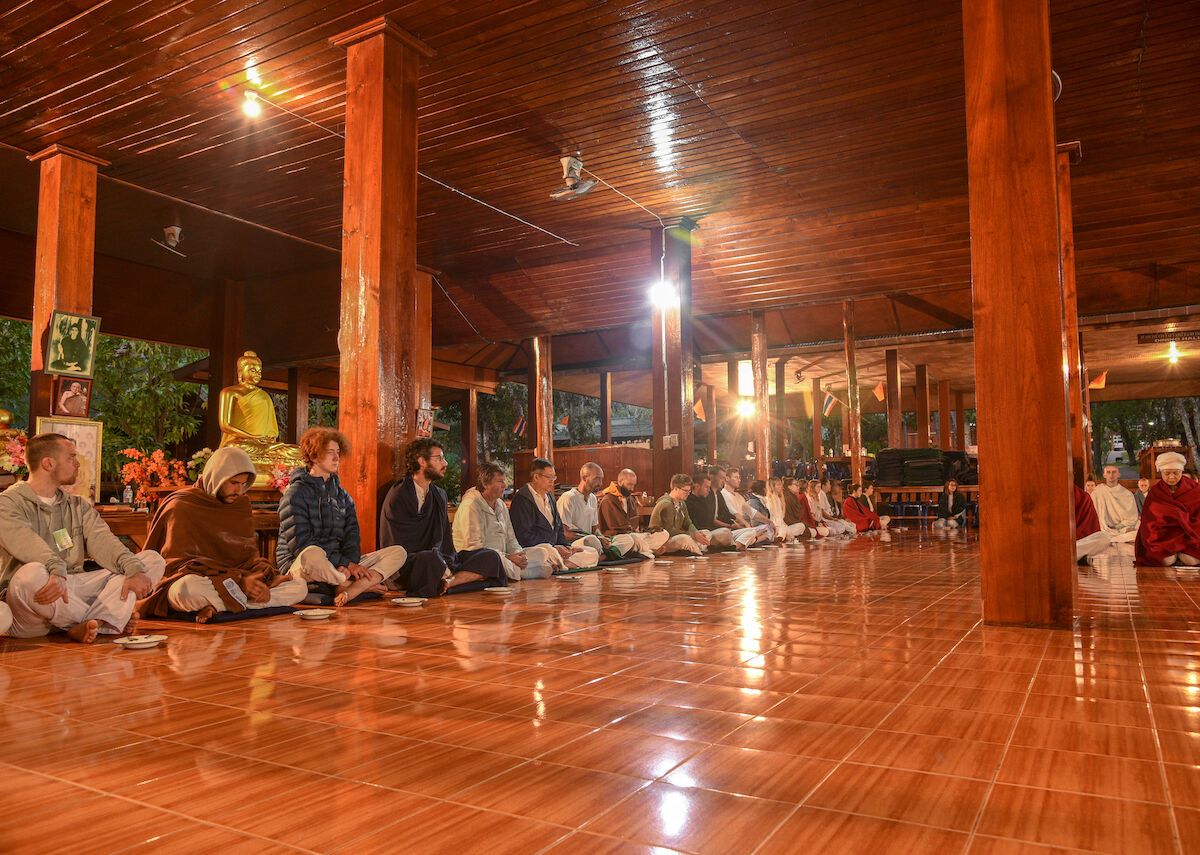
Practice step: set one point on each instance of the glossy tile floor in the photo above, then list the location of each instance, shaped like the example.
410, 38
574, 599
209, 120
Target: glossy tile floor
840, 697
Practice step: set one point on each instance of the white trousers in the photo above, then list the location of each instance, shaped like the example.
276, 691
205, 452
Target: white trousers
313, 565
1124, 536
94, 595
645, 542
1092, 544
540, 562
942, 522
193, 593
5, 618
837, 527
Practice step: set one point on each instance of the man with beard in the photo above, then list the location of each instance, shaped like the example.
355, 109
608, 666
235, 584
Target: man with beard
1170, 526
620, 516
206, 534
415, 516
59, 564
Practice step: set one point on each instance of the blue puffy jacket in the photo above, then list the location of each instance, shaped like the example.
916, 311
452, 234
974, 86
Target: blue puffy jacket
316, 511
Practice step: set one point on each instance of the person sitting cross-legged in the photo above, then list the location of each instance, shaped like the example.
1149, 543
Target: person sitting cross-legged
579, 512
61, 568
835, 513
707, 511
620, 517
318, 526
536, 520
671, 515
857, 509
206, 535
1116, 507
797, 514
745, 515
1090, 540
482, 522
415, 515
1170, 525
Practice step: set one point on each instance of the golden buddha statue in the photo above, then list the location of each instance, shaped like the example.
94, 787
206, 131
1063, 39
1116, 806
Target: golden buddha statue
247, 419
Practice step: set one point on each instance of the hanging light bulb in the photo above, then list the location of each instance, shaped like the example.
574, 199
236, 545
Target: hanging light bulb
745, 408
250, 105
663, 295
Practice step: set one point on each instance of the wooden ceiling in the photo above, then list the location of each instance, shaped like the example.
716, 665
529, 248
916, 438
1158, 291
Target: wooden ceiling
821, 146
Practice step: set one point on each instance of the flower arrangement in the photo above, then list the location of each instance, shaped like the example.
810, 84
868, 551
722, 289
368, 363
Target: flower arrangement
281, 476
12, 455
196, 463
147, 471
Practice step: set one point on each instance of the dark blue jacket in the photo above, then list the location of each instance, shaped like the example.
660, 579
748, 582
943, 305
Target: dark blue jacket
317, 512
530, 524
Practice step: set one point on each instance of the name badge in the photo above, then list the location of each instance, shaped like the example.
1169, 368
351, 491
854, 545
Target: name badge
62, 539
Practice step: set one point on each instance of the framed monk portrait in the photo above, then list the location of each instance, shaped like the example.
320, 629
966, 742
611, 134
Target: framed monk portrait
89, 438
72, 397
71, 350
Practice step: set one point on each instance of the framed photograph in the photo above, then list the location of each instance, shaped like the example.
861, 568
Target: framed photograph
71, 351
424, 422
89, 438
72, 397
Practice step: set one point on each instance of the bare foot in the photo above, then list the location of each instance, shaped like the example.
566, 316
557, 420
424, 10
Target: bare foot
354, 587
205, 613
84, 633
131, 627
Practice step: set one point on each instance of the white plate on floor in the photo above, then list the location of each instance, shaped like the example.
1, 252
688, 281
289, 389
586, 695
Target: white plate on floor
140, 642
697, 557
409, 602
498, 591
660, 563
316, 614
569, 578
622, 569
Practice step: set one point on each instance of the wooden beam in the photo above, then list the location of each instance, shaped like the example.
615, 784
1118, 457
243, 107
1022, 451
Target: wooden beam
736, 454
922, 406
64, 260
539, 431
226, 344
938, 313
762, 401
891, 382
944, 414
782, 435
960, 422
384, 363
297, 421
853, 413
818, 406
470, 438
605, 407
1081, 464
710, 422
1027, 555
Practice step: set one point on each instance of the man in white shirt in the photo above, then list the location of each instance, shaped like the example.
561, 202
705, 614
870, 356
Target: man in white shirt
481, 522
1116, 507
579, 510
535, 519
744, 515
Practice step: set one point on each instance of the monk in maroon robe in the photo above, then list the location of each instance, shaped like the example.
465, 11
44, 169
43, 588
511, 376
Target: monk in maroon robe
1170, 526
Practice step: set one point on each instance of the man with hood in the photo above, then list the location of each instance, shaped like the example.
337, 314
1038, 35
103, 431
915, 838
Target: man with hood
415, 515
60, 565
1170, 525
318, 526
206, 534
620, 516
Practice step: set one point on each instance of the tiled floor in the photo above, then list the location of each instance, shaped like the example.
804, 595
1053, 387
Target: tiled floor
840, 697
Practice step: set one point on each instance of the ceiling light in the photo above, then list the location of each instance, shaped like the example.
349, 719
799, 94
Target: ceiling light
250, 105
745, 408
1173, 353
664, 296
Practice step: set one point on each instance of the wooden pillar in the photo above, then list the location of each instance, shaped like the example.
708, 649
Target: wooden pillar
710, 416
1087, 415
944, 414
64, 257
762, 400
783, 440
960, 423
1081, 458
1027, 555
226, 343
895, 415
380, 375
818, 406
605, 407
297, 422
844, 442
470, 438
672, 354
736, 453
853, 412
539, 432
922, 406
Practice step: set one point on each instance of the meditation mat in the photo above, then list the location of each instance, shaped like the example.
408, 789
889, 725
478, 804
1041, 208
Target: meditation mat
316, 598
230, 617
633, 558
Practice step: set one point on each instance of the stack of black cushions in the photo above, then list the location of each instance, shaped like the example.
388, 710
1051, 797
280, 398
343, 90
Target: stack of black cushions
889, 467
923, 467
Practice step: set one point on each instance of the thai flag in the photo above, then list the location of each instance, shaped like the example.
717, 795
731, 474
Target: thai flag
519, 426
830, 401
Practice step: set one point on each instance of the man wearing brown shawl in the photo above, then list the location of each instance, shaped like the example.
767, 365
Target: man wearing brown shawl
206, 534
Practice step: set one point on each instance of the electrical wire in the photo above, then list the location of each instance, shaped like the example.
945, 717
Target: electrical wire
454, 303
476, 200
662, 261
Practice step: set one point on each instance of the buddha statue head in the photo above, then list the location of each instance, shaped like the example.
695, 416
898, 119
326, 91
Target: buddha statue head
249, 368
5, 419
